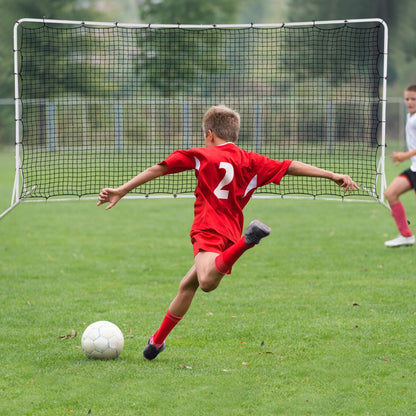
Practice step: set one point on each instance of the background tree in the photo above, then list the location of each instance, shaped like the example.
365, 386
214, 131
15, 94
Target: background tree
400, 17
186, 59
13, 10
189, 56
189, 11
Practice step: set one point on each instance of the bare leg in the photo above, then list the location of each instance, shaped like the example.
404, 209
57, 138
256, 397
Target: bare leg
211, 267
208, 276
399, 186
187, 288
177, 309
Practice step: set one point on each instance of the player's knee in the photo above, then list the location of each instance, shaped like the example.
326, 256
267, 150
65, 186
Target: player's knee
391, 195
207, 285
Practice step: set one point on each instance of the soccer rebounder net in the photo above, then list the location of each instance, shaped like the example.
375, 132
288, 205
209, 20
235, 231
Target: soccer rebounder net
96, 103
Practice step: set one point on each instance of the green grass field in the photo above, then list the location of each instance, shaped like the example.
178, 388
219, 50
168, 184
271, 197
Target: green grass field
319, 319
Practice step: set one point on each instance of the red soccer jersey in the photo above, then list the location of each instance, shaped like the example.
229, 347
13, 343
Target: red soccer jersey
227, 177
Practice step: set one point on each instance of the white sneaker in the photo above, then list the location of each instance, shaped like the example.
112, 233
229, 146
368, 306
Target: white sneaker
400, 241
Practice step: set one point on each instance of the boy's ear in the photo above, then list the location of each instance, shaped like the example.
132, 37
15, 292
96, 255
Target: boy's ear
211, 136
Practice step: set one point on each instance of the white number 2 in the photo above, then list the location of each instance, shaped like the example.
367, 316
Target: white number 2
219, 192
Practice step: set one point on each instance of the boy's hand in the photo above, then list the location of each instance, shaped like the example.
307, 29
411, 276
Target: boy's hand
109, 195
399, 157
344, 181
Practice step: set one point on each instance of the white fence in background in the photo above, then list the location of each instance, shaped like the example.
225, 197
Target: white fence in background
395, 125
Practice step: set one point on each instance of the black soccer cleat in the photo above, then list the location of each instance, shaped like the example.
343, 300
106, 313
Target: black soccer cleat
256, 231
150, 351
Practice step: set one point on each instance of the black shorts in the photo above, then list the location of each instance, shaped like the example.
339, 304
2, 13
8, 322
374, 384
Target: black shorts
411, 176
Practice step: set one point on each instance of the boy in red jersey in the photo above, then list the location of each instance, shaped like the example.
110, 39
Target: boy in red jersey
227, 176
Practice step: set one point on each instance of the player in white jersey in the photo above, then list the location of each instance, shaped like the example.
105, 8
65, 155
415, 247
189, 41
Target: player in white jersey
406, 181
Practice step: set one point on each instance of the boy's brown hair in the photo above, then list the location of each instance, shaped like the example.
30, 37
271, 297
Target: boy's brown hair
222, 121
411, 88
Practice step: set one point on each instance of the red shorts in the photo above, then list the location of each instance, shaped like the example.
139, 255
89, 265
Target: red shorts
209, 241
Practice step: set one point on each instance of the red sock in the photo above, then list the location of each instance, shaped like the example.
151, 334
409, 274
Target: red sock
227, 258
399, 215
169, 322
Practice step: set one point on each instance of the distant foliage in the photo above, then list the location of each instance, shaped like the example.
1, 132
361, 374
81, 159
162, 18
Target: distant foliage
400, 17
189, 11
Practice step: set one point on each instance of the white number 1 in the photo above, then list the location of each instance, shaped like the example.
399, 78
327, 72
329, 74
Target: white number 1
228, 177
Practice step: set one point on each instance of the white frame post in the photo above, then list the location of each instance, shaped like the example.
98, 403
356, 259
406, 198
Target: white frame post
18, 113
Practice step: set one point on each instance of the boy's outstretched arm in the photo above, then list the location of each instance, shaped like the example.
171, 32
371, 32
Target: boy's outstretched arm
114, 195
302, 169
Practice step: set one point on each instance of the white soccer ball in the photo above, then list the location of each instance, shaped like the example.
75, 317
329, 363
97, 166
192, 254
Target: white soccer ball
102, 340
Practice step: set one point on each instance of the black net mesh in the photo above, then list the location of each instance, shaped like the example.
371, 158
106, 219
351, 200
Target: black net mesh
101, 104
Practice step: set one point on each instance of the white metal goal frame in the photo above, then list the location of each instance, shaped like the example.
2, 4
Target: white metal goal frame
20, 191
